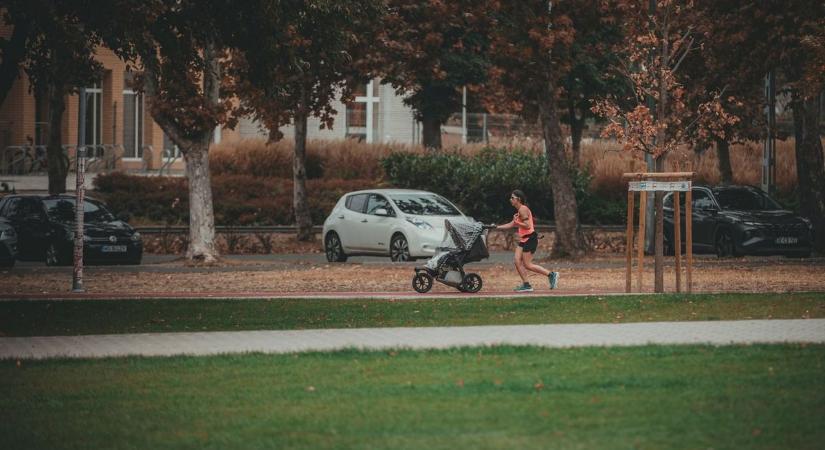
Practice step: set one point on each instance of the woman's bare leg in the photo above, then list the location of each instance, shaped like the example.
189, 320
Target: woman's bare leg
527, 262
517, 260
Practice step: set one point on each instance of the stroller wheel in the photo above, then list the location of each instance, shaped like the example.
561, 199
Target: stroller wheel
422, 282
471, 283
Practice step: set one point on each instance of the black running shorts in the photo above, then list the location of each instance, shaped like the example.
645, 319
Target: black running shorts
531, 244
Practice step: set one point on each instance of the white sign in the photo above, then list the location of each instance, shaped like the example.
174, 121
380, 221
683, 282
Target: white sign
667, 186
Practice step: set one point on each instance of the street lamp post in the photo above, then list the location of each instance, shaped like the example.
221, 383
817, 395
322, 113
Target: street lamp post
80, 170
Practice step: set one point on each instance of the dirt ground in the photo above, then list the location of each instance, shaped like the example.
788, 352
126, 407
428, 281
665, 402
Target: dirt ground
595, 274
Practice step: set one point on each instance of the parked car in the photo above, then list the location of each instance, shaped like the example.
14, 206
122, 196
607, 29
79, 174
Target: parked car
8, 244
45, 227
399, 223
735, 220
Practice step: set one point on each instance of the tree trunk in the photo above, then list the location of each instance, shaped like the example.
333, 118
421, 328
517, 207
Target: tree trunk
810, 167
431, 132
195, 151
57, 161
201, 215
576, 129
569, 241
658, 204
723, 155
13, 54
659, 245
303, 220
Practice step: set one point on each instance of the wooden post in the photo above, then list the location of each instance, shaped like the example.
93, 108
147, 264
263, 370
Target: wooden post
677, 233
689, 239
631, 196
641, 257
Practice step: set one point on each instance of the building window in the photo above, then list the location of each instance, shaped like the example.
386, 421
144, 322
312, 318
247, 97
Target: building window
94, 104
361, 113
132, 119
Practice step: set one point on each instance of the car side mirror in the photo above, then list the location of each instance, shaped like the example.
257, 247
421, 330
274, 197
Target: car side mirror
382, 212
124, 216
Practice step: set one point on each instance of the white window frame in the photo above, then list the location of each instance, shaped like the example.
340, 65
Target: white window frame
93, 93
139, 136
370, 99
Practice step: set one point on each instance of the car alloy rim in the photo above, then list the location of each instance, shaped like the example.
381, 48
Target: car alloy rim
400, 250
333, 248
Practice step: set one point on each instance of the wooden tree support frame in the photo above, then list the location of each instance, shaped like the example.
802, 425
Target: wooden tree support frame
643, 183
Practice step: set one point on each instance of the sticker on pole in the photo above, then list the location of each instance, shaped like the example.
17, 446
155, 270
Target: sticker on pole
667, 186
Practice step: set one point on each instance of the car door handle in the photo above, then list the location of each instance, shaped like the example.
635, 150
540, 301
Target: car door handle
341, 216
364, 221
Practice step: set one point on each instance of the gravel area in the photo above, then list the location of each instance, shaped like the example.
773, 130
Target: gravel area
596, 274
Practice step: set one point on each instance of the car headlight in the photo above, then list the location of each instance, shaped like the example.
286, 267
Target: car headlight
136, 237
7, 234
423, 224
808, 223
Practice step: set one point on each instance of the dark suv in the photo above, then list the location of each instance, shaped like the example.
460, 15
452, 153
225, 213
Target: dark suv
45, 227
740, 220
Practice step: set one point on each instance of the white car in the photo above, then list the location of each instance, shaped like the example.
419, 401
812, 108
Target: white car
404, 224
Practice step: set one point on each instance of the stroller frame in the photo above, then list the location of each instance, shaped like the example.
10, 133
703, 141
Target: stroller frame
450, 267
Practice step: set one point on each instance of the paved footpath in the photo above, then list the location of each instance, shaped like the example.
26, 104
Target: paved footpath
567, 335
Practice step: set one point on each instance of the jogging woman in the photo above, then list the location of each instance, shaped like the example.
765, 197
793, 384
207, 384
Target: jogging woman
528, 242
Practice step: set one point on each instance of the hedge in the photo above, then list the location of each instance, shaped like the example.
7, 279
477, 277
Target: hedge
481, 183
237, 199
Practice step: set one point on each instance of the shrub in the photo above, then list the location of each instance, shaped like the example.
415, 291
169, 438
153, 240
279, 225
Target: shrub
237, 199
481, 183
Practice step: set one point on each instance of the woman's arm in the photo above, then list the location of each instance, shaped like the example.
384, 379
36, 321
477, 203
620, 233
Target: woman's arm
507, 225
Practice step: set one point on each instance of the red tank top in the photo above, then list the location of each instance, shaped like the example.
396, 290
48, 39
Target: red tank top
523, 233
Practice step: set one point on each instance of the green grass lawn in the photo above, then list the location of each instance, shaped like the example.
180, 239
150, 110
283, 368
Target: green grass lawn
654, 397
68, 317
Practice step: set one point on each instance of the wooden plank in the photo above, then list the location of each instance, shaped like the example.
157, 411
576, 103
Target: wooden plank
689, 239
677, 233
657, 176
631, 197
641, 255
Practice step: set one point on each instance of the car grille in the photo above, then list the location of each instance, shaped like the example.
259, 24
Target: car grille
790, 230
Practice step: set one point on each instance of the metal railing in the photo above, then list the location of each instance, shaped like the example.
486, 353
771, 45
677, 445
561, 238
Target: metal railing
33, 159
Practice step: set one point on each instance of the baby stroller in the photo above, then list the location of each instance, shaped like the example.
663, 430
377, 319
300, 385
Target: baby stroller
463, 243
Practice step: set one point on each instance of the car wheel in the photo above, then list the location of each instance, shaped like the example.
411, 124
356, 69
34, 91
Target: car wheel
422, 282
399, 248
725, 247
333, 248
53, 256
471, 283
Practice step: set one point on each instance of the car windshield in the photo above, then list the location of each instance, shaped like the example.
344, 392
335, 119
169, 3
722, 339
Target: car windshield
745, 200
62, 209
424, 205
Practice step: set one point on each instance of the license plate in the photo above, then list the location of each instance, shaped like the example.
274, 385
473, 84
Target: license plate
786, 240
114, 249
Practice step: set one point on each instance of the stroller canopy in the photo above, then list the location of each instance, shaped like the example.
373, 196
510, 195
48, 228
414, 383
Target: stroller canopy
460, 235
